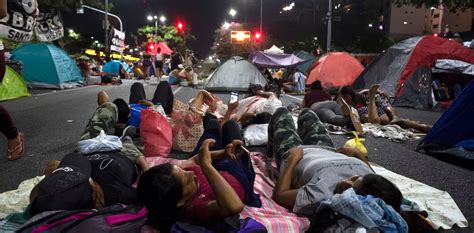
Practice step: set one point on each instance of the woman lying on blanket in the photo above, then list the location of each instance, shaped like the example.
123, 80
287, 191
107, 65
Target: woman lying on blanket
312, 170
376, 108
205, 188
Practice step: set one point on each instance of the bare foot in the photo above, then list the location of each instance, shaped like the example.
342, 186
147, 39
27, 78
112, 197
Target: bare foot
373, 90
102, 98
355, 119
345, 108
16, 147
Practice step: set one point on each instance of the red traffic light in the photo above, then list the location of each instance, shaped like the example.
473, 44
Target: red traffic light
180, 25
258, 37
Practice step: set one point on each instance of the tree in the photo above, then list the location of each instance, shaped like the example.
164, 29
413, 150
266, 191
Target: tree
168, 34
451, 4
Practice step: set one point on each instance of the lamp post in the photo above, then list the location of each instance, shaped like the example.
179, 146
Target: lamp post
232, 12
261, 15
162, 19
154, 18
328, 45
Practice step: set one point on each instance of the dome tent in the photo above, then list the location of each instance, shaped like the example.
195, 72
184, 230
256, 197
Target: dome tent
234, 75
47, 66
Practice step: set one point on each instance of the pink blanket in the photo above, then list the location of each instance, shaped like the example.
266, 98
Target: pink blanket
272, 215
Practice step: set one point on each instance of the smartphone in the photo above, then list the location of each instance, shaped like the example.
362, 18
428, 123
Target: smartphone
234, 97
241, 151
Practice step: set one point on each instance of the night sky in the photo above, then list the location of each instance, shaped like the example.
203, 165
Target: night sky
203, 16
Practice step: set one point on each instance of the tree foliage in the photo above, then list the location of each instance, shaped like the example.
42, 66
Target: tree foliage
451, 4
168, 34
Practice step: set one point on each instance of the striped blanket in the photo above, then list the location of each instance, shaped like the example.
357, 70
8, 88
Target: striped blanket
273, 216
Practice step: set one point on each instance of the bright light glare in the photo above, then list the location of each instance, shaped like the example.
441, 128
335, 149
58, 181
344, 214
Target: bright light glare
289, 7
405, 22
162, 19
150, 18
232, 12
381, 27
370, 25
226, 25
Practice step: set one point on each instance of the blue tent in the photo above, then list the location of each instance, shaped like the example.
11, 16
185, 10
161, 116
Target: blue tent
452, 136
114, 67
308, 58
45, 65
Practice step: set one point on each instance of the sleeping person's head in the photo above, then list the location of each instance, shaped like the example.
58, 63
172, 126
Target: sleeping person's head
123, 111
316, 85
374, 185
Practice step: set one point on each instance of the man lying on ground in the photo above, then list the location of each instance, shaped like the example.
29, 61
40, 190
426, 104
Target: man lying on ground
312, 170
204, 189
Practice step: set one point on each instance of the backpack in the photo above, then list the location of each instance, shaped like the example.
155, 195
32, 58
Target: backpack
115, 218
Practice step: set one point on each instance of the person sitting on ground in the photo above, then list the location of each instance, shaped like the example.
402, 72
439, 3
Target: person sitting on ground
137, 69
296, 83
86, 182
316, 94
204, 189
16, 147
376, 108
186, 74
173, 76
312, 170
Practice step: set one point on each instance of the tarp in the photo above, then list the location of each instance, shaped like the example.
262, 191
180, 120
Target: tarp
274, 49
452, 136
47, 66
234, 75
113, 67
13, 86
272, 60
308, 59
334, 70
398, 63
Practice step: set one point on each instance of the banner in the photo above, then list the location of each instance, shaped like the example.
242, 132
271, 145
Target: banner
117, 40
18, 25
49, 27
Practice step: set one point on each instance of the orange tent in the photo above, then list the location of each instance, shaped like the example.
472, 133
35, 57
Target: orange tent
334, 70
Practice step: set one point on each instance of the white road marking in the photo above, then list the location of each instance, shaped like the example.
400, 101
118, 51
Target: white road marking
62, 91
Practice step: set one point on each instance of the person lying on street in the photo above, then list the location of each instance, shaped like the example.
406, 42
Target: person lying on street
373, 106
205, 189
85, 182
109, 117
312, 170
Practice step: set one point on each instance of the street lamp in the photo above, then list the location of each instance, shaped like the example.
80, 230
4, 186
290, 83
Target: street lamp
226, 25
162, 19
154, 18
232, 12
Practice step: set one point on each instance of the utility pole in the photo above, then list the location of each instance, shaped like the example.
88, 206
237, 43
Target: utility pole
106, 30
261, 15
329, 18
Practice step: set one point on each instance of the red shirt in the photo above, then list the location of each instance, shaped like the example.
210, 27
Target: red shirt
204, 195
316, 96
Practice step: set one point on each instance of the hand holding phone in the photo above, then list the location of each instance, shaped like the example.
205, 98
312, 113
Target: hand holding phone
234, 97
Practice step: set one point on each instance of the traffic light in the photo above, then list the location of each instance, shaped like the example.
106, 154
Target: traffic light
151, 47
258, 37
180, 26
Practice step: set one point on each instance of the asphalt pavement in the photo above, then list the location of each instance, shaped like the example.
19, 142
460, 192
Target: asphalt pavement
53, 121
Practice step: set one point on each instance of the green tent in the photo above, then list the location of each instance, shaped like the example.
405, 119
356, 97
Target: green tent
13, 86
47, 66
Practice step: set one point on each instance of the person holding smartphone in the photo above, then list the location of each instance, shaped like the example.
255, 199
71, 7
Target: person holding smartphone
205, 189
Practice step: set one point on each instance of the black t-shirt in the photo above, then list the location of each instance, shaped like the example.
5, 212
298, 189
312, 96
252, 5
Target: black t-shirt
116, 174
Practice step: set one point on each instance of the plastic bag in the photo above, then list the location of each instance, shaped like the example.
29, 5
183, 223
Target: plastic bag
101, 143
155, 133
256, 135
356, 143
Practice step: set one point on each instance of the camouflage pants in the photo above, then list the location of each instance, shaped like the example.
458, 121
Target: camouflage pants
282, 133
105, 118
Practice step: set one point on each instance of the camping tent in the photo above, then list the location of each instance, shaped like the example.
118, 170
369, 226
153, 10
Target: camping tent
113, 67
48, 66
13, 86
273, 60
452, 136
234, 75
334, 70
404, 70
208, 66
308, 58
164, 48
274, 49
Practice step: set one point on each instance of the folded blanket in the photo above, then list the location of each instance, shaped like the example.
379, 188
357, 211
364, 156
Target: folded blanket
440, 206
